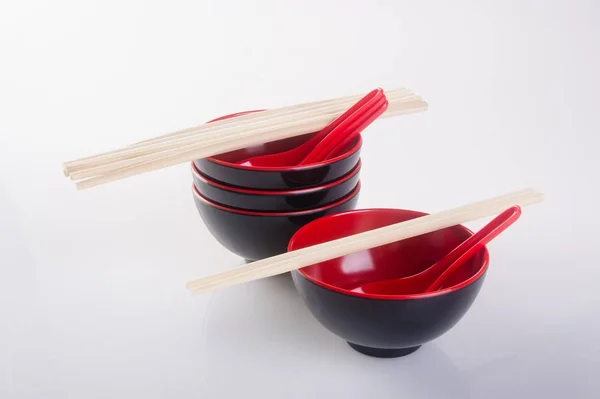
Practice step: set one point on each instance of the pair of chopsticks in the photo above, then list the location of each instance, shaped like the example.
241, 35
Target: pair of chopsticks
224, 136
374, 238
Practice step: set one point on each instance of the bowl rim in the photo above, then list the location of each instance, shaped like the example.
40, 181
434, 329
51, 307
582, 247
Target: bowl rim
345, 155
353, 172
310, 211
469, 281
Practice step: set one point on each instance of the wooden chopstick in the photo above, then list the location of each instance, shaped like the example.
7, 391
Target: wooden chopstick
156, 150
171, 149
344, 246
225, 129
254, 116
239, 123
530, 195
226, 144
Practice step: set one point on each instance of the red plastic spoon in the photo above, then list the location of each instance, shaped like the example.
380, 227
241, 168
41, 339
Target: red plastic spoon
341, 144
294, 156
350, 128
433, 277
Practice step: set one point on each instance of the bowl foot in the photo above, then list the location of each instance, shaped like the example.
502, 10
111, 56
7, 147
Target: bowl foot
383, 353
246, 261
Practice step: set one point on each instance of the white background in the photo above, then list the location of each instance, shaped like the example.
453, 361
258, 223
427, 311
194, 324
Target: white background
92, 291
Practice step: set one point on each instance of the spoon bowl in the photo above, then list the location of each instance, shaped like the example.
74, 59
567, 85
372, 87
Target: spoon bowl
434, 276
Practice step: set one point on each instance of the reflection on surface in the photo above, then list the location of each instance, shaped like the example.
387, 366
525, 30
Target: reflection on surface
355, 266
546, 371
248, 326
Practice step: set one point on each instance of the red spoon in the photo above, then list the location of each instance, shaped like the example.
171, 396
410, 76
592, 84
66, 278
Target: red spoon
294, 156
341, 145
433, 277
349, 129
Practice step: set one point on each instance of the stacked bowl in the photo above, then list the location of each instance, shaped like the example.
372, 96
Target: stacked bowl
258, 212
253, 211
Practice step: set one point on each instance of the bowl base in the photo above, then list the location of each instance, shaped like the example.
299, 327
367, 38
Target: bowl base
383, 353
246, 261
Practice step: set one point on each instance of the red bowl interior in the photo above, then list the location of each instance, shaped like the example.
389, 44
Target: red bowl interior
399, 259
231, 158
350, 195
301, 191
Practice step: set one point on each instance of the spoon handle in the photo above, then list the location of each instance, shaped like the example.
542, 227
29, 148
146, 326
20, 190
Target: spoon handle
359, 104
341, 124
355, 131
473, 244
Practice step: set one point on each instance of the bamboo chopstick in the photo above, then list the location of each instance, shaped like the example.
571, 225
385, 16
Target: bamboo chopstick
329, 250
158, 151
255, 116
221, 145
232, 125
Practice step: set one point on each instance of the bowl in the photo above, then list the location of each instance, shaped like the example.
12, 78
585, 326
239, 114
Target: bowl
273, 200
224, 169
385, 325
255, 235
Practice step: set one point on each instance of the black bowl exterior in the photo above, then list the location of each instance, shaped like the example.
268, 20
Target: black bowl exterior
255, 237
278, 180
386, 328
293, 201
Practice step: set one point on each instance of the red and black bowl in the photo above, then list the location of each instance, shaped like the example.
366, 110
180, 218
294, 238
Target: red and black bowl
272, 200
225, 169
255, 235
385, 325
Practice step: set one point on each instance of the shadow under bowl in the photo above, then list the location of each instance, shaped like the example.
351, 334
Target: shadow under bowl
255, 235
385, 325
224, 168
276, 201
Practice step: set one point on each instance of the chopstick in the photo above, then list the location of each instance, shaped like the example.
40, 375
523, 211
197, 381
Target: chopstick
160, 151
300, 258
225, 144
232, 125
223, 136
254, 116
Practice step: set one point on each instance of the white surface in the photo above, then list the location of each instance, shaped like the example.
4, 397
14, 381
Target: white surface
92, 297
